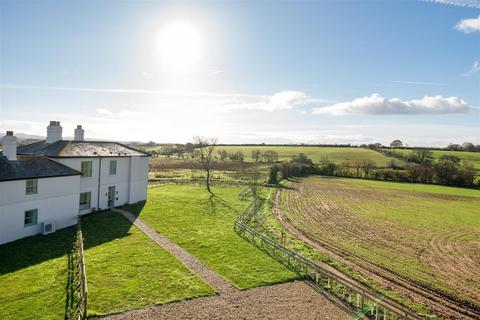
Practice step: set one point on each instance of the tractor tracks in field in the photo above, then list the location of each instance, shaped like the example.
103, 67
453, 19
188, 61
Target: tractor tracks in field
439, 301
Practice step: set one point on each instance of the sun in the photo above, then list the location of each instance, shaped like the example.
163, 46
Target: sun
180, 45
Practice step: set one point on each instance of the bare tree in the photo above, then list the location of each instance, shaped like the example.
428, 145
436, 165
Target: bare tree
206, 147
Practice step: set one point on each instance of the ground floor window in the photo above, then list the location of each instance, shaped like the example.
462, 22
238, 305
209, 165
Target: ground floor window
31, 217
85, 200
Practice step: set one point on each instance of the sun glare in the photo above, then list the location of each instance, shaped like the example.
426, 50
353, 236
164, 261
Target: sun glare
180, 45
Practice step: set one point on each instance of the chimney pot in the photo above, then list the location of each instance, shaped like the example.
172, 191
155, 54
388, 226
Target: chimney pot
79, 133
10, 146
54, 132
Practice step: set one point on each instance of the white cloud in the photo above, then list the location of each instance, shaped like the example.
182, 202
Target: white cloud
378, 105
458, 3
474, 69
218, 72
469, 25
103, 111
283, 100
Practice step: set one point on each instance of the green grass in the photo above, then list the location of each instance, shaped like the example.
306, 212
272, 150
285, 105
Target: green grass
127, 270
427, 228
33, 276
473, 157
334, 154
186, 216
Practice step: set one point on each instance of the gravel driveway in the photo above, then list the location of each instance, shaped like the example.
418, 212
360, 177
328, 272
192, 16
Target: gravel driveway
292, 300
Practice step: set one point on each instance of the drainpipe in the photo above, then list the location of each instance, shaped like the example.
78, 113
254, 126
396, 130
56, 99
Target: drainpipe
99, 174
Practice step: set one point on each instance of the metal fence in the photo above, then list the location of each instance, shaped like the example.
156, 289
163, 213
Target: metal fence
366, 302
77, 290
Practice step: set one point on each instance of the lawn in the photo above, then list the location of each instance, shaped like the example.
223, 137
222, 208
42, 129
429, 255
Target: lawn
425, 232
127, 270
33, 276
186, 216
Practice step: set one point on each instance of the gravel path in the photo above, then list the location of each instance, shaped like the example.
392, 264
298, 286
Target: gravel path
289, 301
210, 276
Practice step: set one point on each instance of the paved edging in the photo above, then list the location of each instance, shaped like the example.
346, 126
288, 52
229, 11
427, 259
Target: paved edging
190, 261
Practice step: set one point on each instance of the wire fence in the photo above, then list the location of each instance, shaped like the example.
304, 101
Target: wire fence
77, 289
366, 302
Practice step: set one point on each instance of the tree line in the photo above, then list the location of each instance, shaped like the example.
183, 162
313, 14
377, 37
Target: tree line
422, 168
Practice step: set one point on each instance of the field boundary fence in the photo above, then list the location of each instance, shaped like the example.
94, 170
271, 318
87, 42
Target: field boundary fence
366, 302
77, 289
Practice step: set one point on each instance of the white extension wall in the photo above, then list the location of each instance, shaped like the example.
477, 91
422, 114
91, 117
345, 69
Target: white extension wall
130, 180
57, 200
138, 179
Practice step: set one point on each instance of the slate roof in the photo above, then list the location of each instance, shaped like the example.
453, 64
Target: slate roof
80, 149
30, 167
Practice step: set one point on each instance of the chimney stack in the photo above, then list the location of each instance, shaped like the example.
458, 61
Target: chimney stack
54, 132
10, 146
79, 134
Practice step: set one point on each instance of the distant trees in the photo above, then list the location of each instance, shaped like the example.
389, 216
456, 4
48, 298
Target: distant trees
466, 146
205, 148
396, 144
446, 169
256, 154
223, 154
270, 156
237, 156
368, 165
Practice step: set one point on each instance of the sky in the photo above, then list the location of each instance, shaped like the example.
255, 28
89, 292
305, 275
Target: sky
244, 72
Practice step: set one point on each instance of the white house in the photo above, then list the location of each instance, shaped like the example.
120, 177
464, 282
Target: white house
45, 185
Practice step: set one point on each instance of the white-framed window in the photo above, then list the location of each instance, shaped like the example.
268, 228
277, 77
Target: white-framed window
86, 168
85, 198
113, 167
31, 217
31, 186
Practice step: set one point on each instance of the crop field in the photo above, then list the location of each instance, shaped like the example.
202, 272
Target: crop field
426, 233
204, 227
472, 157
127, 270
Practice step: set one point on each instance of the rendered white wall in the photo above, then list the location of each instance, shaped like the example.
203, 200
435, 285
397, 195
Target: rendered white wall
130, 181
57, 200
138, 179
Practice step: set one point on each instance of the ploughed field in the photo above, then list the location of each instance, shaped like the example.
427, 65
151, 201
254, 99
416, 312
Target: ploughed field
427, 233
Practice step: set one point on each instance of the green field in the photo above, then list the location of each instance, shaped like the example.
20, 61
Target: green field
127, 270
433, 232
33, 276
334, 154
186, 216
473, 157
